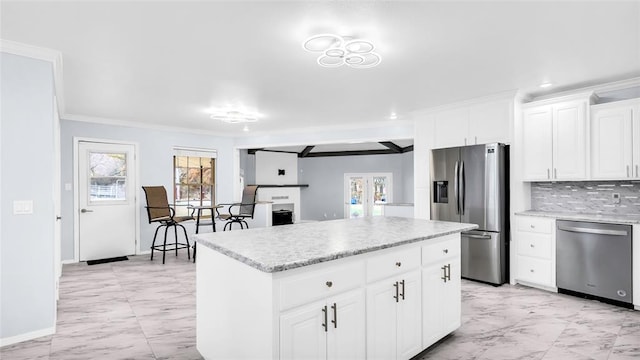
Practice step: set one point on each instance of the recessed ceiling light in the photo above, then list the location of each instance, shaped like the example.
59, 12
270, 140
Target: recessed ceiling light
234, 116
336, 51
393, 116
545, 85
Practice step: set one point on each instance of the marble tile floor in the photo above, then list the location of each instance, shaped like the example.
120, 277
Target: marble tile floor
139, 309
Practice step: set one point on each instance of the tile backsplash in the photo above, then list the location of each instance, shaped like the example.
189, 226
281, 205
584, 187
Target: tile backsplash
591, 197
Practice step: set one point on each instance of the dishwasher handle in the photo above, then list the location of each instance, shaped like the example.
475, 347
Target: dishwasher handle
593, 231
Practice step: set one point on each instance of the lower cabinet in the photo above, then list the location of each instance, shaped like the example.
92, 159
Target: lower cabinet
535, 241
328, 329
441, 293
393, 317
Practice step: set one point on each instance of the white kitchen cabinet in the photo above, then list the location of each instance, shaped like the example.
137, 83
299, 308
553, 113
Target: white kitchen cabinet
615, 140
535, 251
393, 317
479, 121
555, 139
440, 275
329, 329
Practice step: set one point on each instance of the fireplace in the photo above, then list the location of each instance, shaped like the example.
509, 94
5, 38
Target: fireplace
282, 217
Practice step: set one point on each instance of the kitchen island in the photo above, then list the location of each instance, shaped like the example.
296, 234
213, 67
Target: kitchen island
376, 288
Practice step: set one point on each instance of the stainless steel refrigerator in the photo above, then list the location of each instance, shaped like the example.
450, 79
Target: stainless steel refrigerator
470, 185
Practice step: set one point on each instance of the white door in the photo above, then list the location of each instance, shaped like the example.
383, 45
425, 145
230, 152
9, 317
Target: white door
366, 194
381, 320
611, 143
303, 334
569, 146
106, 202
409, 335
346, 335
57, 198
537, 151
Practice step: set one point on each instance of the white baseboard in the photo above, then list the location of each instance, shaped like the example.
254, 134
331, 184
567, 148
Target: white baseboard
27, 336
70, 261
146, 252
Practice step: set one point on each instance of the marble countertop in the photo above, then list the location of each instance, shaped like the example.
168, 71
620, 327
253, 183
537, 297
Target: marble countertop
603, 218
280, 248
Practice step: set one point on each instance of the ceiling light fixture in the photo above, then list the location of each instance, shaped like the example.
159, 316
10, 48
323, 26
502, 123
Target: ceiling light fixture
235, 116
336, 51
393, 116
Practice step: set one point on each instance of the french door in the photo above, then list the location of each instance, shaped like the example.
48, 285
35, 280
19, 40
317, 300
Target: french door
366, 193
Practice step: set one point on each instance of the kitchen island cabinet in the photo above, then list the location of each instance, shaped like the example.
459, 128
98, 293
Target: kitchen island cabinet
306, 290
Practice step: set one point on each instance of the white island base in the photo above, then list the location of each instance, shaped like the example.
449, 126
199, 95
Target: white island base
385, 304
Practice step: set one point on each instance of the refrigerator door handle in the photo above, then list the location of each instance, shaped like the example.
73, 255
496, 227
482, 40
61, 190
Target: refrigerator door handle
462, 187
455, 188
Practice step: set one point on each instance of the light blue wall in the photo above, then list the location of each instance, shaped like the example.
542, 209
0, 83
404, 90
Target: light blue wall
27, 275
155, 156
325, 176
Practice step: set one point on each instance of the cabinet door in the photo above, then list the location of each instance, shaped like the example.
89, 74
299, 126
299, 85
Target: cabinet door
611, 143
409, 313
302, 334
432, 283
635, 116
537, 153
569, 146
346, 336
451, 128
490, 122
381, 320
451, 297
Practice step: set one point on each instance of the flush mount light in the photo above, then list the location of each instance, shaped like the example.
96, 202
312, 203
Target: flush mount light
235, 116
336, 51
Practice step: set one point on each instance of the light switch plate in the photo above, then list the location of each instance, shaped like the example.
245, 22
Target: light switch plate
22, 207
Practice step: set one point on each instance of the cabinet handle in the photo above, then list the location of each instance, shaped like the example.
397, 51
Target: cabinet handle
636, 170
402, 293
398, 264
334, 307
627, 170
555, 173
476, 139
329, 284
444, 273
532, 226
531, 270
396, 295
446, 251
449, 272
548, 174
324, 324
531, 245
465, 141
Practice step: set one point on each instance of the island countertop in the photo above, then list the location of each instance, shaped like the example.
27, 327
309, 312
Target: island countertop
280, 248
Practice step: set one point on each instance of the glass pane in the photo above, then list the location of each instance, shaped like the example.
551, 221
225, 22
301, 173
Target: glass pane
181, 175
206, 176
182, 161
206, 193
107, 164
356, 187
107, 188
379, 189
193, 176
182, 193
194, 194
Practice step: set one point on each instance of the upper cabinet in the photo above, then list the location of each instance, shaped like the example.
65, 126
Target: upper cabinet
554, 145
480, 121
615, 140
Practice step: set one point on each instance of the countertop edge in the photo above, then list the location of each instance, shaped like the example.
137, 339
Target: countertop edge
609, 219
307, 262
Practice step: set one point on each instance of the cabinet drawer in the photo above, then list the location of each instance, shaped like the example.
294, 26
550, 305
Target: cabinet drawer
535, 224
300, 289
449, 247
532, 244
535, 270
391, 263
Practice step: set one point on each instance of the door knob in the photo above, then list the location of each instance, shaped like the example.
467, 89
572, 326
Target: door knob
85, 211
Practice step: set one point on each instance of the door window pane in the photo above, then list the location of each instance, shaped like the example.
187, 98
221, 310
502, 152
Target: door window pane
107, 176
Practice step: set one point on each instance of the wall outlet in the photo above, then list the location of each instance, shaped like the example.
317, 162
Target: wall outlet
616, 198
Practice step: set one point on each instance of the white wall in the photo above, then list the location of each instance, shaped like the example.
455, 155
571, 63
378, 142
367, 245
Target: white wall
27, 274
268, 163
155, 158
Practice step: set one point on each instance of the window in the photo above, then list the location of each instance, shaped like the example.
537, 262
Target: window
107, 176
194, 182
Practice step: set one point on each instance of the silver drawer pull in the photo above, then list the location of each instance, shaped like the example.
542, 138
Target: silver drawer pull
329, 284
531, 245
398, 264
446, 251
593, 231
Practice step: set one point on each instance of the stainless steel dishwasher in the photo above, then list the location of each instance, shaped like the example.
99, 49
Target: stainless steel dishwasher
594, 259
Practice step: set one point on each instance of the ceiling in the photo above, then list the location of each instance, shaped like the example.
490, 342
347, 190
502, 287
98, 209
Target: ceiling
168, 63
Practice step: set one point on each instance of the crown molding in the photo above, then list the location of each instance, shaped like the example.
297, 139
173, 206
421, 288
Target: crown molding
597, 89
142, 125
44, 54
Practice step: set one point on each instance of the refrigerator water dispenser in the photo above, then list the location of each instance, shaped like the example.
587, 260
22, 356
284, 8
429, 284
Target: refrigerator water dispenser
440, 192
